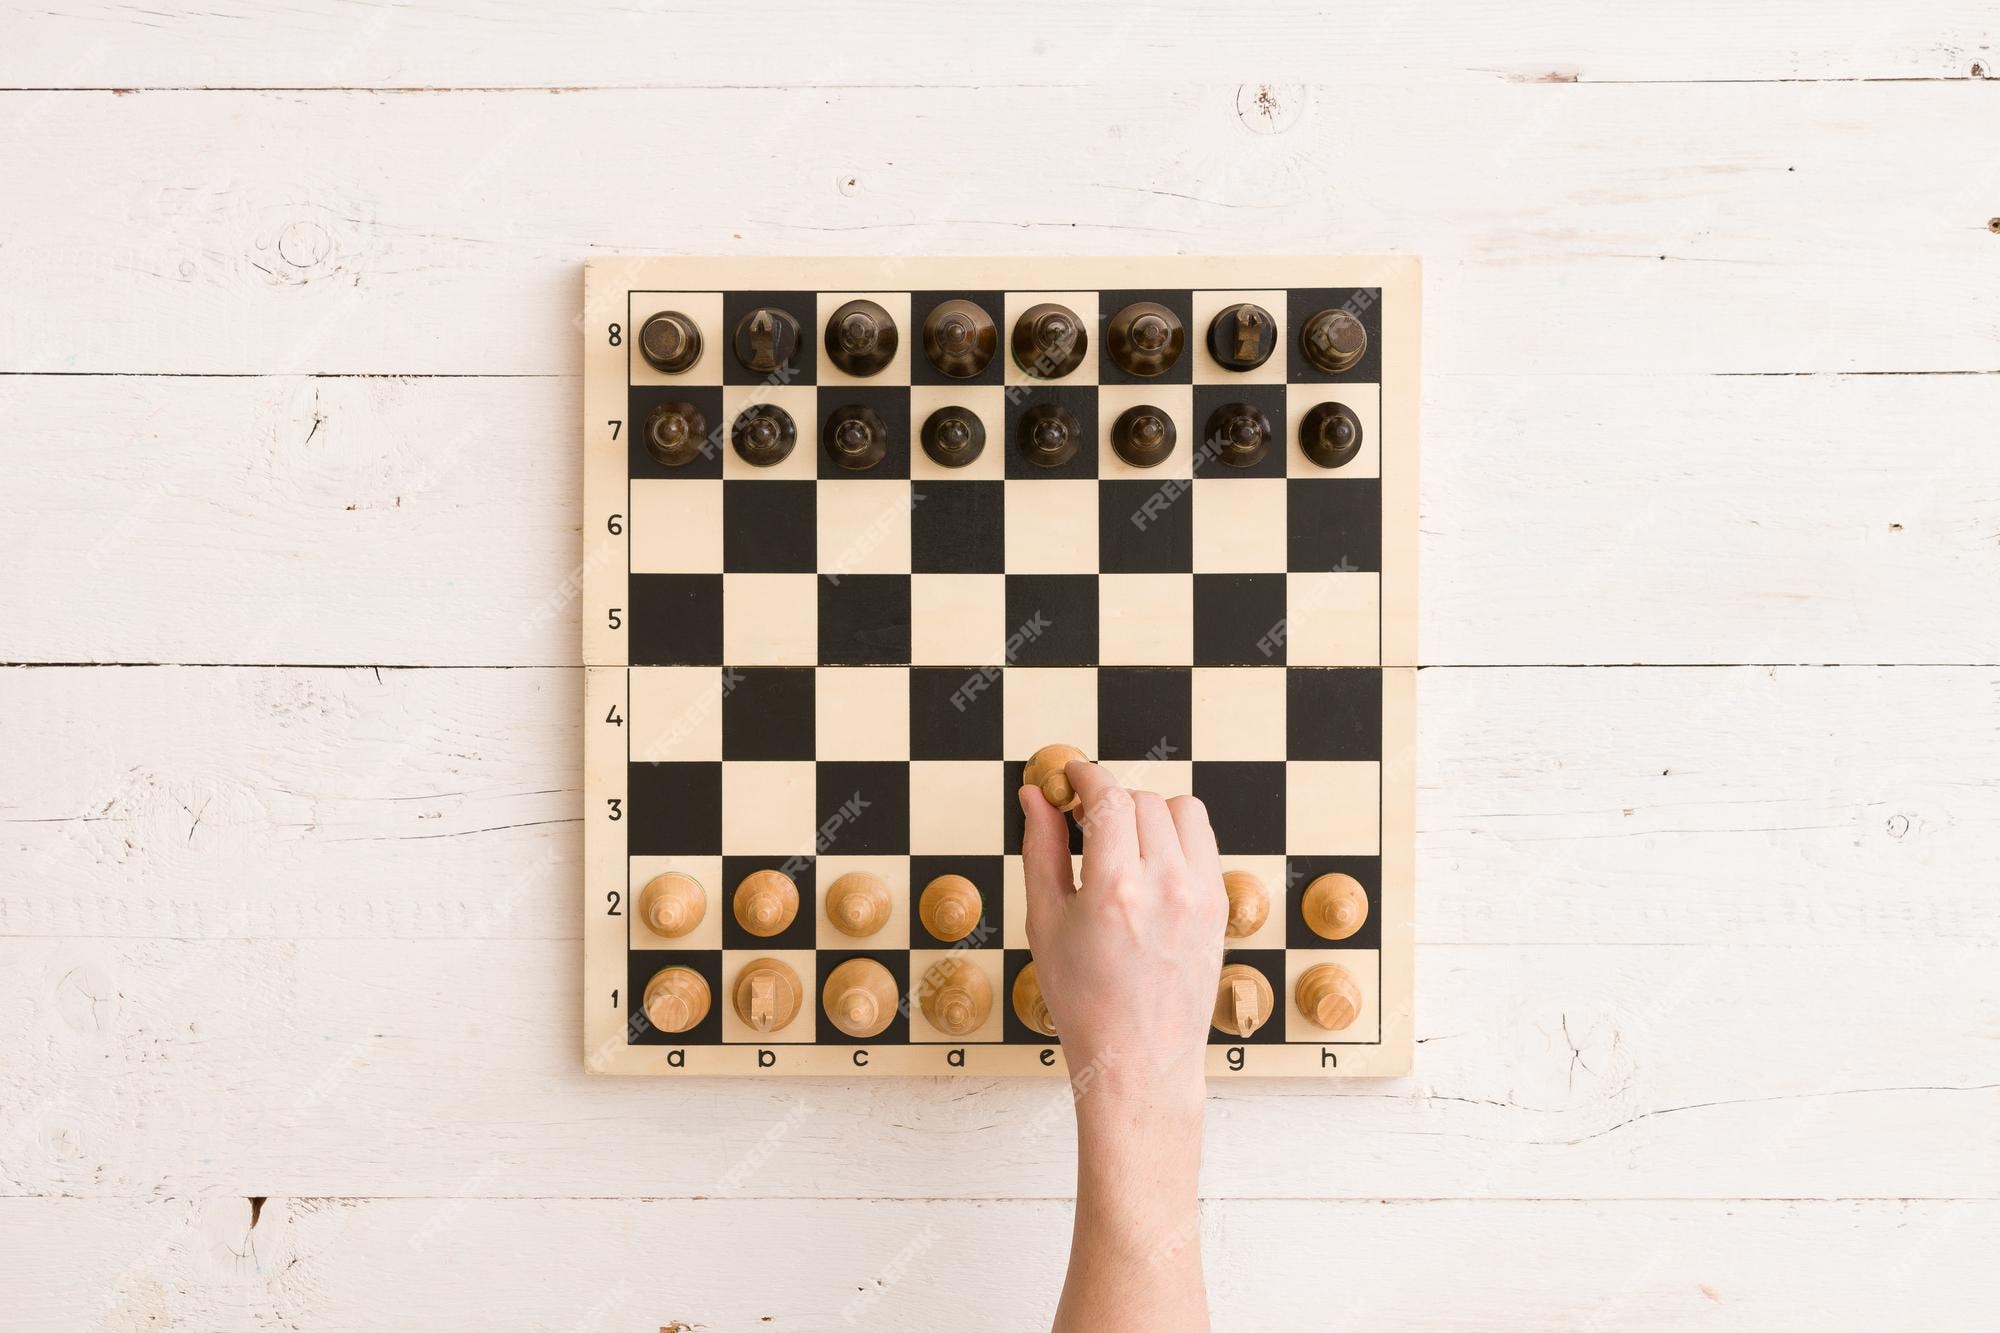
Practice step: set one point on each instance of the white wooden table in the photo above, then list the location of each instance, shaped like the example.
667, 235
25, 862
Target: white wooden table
289, 765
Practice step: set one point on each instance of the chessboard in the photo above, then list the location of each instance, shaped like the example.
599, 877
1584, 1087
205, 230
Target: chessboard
862, 536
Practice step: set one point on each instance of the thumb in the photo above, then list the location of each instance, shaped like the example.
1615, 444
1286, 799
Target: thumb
1045, 863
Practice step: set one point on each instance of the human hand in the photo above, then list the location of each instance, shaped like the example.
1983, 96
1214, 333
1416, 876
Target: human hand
1128, 960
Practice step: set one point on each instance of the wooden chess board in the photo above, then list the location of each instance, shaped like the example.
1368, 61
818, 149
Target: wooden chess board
832, 660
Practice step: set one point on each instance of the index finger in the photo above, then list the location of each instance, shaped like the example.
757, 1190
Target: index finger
1110, 833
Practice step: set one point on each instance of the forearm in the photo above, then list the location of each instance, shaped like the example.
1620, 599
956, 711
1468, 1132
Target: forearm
1135, 1258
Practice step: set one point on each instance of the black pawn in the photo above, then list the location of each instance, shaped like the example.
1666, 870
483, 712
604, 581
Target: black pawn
856, 438
1334, 340
1330, 434
766, 338
1050, 435
764, 435
1242, 336
675, 433
959, 338
1145, 338
1239, 434
954, 436
670, 342
1143, 435
861, 338
1049, 341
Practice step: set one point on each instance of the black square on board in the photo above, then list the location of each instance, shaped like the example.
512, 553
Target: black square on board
768, 713
642, 965
1181, 302
955, 712
1145, 527
921, 305
862, 807
1333, 713
770, 527
799, 869
1333, 523
642, 400
898, 963
1014, 822
1246, 804
1301, 871
1145, 712
984, 872
1270, 962
1052, 619
1211, 398
674, 619
864, 619
1364, 303
1082, 404
958, 527
893, 406
672, 808
1239, 619
802, 368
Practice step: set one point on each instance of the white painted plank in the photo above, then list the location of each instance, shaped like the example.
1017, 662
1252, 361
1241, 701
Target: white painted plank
1778, 227
318, 43
440, 1067
1566, 519
593, 1264
1795, 806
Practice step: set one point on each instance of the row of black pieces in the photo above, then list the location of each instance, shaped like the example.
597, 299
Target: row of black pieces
857, 438
1144, 335
676, 806
865, 619
643, 964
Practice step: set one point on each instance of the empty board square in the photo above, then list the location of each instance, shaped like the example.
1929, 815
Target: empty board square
1333, 523
1180, 301
672, 809
957, 712
864, 618
1239, 712
1081, 405
1051, 526
1239, 526
768, 526
767, 808
958, 527
897, 961
863, 808
1301, 871
1364, 303
798, 932
1146, 619
1145, 527
675, 712
1333, 713
1052, 619
646, 403
1049, 706
1239, 619
1270, 963
1143, 712
801, 367
1333, 619
863, 712
892, 406
951, 810
675, 619
958, 619
1333, 807
985, 872
768, 714
922, 369
770, 619
1211, 402
864, 527
1246, 804
676, 527
642, 966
